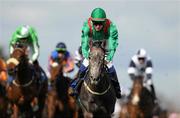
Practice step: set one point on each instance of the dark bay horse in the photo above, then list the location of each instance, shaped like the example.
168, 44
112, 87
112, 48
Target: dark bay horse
59, 104
97, 95
140, 103
25, 91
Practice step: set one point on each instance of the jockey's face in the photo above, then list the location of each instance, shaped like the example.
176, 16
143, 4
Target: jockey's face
22, 43
24, 40
141, 60
61, 54
98, 25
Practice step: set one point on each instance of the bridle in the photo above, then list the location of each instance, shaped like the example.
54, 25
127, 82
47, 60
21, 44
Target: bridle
23, 85
96, 80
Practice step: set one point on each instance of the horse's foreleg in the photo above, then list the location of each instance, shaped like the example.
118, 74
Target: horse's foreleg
124, 112
87, 114
15, 111
50, 106
141, 114
75, 114
34, 104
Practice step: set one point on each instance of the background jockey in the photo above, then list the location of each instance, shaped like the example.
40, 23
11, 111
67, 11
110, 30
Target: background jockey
62, 52
26, 36
98, 29
141, 65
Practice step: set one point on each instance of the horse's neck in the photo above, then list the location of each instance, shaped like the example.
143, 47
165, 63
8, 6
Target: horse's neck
61, 86
56, 71
137, 88
24, 74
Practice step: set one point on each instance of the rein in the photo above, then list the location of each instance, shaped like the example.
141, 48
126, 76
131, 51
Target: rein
23, 85
94, 92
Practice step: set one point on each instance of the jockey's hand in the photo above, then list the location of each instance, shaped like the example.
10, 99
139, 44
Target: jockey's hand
149, 76
30, 61
156, 101
132, 76
55, 64
106, 62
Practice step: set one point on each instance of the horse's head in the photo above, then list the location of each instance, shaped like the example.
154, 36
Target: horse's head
15, 58
57, 67
136, 90
96, 62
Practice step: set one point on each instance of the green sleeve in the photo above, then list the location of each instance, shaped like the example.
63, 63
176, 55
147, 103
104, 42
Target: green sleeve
14, 38
85, 40
34, 44
34, 38
112, 41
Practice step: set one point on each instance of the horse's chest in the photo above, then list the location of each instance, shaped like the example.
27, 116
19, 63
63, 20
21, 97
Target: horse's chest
15, 93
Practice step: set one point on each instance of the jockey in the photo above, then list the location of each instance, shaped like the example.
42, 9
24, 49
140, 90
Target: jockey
3, 70
27, 36
78, 57
98, 29
141, 65
61, 51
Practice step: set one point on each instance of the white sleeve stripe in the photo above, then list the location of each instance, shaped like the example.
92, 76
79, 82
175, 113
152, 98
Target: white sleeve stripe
86, 62
149, 70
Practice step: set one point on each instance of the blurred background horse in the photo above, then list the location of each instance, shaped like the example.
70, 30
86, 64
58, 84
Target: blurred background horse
24, 92
58, 102
140, 103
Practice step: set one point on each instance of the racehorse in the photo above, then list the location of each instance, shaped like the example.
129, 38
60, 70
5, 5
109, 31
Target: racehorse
25, 91
59, 104
97, 95
3, 99
140, 103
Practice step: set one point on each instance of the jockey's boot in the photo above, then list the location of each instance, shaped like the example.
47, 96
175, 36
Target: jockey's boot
76, 83
39, 71
153, 94
114, 80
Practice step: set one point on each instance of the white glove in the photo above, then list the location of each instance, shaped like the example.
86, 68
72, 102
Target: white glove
55, 64
30, 61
